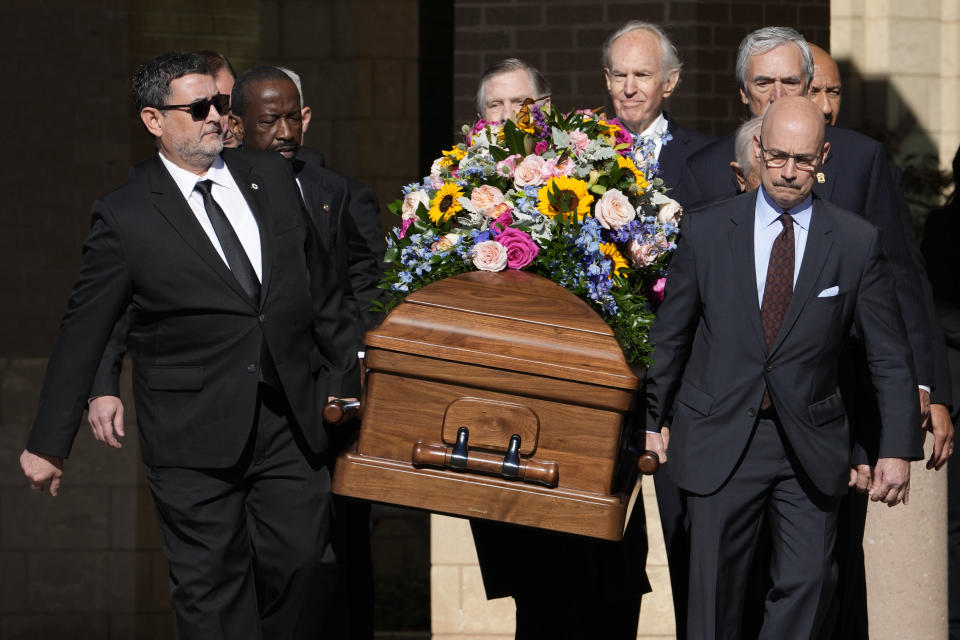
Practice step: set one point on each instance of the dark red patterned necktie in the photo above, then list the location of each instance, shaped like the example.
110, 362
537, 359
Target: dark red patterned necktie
778, 288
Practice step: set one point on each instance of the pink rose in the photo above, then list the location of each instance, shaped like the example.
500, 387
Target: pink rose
486, 198
622, 136
614, 210
670, 212
411, 203
521, 249
657, 290
541, 147
503, 221
528, 172
642, 255
579, 141
489, 256
507, 166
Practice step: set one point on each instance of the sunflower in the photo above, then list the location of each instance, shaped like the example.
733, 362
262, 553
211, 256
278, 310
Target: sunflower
446, 203
455, 154
619, 262
627, 163
564, 196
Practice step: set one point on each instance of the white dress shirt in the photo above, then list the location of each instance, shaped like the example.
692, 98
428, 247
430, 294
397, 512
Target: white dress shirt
766, 228
227, 194
657, 129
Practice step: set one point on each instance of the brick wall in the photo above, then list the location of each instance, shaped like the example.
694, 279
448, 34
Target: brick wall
563, 39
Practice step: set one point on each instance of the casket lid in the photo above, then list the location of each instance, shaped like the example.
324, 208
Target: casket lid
511, 320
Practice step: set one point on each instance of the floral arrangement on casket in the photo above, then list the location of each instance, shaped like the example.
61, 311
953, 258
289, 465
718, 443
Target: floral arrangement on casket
569, 197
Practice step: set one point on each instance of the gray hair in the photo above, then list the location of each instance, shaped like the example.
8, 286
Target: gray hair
767, 39
293, 75
743, 143
507, 65
669, 59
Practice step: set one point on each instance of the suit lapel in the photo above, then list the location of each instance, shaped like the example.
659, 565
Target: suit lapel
254, 192
740, 239
827, 172
169, 201
819, 244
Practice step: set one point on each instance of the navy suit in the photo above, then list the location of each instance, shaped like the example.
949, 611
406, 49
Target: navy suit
711, 366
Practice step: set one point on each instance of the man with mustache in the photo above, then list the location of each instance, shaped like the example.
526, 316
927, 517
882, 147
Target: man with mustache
238, 337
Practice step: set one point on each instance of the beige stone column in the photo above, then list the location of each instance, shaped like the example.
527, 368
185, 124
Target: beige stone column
904, 59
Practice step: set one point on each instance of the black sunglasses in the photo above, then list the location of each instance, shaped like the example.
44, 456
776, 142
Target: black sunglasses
200, 108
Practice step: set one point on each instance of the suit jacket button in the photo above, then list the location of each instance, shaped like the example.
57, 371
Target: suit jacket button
251, 368
752, 412
768, 368
262, 317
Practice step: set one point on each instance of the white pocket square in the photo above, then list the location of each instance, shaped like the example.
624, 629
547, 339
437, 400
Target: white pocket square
829, 292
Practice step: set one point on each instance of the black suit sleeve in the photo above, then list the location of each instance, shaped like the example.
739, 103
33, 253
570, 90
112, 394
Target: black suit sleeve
364, 268
106, 382
98, 299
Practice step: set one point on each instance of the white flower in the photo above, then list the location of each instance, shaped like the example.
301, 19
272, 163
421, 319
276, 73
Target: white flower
411, 201
614, 210
669, 212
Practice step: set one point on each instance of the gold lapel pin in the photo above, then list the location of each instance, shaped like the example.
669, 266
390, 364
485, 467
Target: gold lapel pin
254, 186
326, 207
821, 179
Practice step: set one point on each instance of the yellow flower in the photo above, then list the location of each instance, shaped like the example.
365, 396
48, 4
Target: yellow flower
569, 196
446, 203
627, 163
455, 154
619, 262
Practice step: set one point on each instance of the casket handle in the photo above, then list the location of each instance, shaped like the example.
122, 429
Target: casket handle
510, 466
339, 411
648, 462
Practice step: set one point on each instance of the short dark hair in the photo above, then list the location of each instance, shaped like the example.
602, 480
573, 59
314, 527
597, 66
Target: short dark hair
238, 100
217, 62
151, 80
507, 65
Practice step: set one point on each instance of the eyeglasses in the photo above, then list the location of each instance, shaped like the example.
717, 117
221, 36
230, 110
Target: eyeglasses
778, 159
200, 108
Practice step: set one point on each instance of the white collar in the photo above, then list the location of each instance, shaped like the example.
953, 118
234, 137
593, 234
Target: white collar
187, 180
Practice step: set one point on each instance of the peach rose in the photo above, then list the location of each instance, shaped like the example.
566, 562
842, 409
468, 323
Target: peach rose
669, 212
412, 201
489, 256
486, 199
613, 210
642, 255
529, 173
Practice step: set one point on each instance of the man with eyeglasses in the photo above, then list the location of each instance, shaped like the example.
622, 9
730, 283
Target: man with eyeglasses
237, 338
763, 293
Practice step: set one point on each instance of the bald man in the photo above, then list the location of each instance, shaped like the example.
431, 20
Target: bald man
746, 371
825, 88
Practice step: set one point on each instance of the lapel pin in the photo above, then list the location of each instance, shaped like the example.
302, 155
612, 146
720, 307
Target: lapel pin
326, 207
821, 179
254, 186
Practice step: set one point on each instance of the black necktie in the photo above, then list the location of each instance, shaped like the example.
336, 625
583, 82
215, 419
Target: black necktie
237, 258
778, 289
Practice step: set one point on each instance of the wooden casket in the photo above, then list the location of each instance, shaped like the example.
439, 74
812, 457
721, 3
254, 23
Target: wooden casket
498, 396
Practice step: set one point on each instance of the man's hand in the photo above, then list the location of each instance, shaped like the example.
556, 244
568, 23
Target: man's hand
941, 427
657, 443
860, 477
891, 481
41, 469
924, 408
105, 415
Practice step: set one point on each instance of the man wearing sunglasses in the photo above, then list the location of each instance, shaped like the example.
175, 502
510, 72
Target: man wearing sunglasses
237, 337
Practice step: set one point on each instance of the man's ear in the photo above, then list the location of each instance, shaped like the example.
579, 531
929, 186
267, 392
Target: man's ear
826, 151
672, 79
743, 96
738, 176
152, 120
236, 127
606, 78
305, 115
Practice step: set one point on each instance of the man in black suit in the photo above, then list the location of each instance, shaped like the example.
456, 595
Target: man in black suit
641, 68
267, 116
238, 337
746, 371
